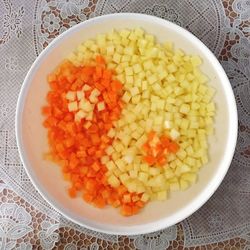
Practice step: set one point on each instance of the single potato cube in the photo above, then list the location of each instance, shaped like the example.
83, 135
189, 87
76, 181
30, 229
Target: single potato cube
113, 181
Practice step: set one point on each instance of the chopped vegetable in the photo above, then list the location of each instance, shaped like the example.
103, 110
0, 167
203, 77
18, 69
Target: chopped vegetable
128, 120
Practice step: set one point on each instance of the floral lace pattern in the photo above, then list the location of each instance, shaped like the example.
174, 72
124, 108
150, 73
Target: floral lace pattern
26, 220
14, 224
158, 240
12, 22
163, 12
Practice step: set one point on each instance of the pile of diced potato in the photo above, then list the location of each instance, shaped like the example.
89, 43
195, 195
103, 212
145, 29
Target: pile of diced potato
164, 91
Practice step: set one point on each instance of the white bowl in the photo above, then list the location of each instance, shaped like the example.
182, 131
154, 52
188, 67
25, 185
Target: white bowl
47, 178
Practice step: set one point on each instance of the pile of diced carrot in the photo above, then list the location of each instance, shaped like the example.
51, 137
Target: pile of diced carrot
79, 148
157, 149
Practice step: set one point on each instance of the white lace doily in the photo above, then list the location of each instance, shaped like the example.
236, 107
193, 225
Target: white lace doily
27, 27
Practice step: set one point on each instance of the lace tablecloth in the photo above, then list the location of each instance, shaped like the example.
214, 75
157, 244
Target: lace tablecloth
26, 220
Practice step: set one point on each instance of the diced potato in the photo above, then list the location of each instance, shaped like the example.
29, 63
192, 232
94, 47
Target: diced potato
128, 158
110, 50
73, 106
162, 195
134, 91
174, 185
80, 115
71, 96
190, 177
124, 177
184, 185
115, 155
117, 58
182, 169
196, 61
143, 177
145, 197
110, 165
174, 134
86, 87
185, 108
126, 97
86, 105
113, 181
131, 186
104, 159
154, 171
211, 107
118, 146
133, 173
111, 133
100, 106
152, 79
89, 116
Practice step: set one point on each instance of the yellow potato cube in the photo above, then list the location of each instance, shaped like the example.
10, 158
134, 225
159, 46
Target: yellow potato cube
100, 106
124, 178
133, 173
143, 177
152, 79
124, 33
137, 68
174, 134
113, 181
182, 169
174, 186
126, 97
80, 115
110, 165
196, 61
181, 154
154, 171
117, 58
104, 159
190, 177
211, 107
134, 91
72, 106
169, 173
71, 96
184, 185
131, 186
129, 51
185, 108
162, 195
115, 155
145, 197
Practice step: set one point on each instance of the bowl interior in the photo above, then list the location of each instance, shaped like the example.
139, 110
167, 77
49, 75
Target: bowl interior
32, 137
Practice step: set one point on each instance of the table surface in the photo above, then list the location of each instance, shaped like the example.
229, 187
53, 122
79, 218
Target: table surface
26, 220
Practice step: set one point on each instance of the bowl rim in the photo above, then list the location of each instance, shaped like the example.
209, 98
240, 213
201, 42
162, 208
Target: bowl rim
200, 199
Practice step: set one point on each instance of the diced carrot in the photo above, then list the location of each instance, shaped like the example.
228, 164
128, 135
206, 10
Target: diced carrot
100, 202
161, 160
151, 135
72, 192
96, 166
149, 159
100, 59
87, 197
46, 111
173, 147
157, 148
126, 210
